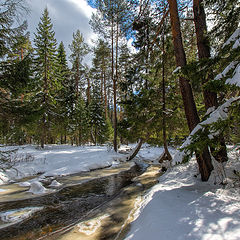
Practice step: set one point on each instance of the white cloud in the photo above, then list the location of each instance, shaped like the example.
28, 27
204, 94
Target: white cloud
67, 17
84, 7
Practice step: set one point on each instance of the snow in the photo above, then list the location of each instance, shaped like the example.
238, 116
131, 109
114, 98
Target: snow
181, 207
235, 37
17, 215
89, 227
57, 160
153, 154
176, 70
235, 80
37, 188
24, 184
226, 70
55, 183
221, 113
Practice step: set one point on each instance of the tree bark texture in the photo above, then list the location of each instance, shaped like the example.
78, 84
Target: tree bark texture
203, 44
114, 92
136, 150
204, 159
105, 95
88, 91
166, 154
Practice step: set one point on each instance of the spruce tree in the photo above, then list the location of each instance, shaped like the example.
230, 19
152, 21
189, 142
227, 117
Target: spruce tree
78, 50
203, 159
99, 127
65, 95
15, 65
45, 77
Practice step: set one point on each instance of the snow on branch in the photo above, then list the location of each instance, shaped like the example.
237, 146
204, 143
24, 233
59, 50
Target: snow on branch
234, 37
226, 70
221, 113
235, 80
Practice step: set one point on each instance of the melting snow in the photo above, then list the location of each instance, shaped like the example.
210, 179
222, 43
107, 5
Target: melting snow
37, 188
55, 183
17, 215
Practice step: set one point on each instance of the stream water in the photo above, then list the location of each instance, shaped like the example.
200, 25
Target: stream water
95, 205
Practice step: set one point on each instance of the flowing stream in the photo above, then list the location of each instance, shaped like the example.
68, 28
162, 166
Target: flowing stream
94, 205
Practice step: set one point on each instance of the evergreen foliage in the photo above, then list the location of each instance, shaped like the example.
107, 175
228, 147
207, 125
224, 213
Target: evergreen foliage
43, 100
46, 82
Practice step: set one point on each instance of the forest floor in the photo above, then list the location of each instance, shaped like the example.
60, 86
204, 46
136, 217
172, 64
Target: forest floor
179, 207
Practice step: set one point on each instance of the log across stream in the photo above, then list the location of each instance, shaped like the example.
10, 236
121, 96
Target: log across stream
93, 205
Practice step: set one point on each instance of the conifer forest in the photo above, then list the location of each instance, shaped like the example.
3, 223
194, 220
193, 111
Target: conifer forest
162, 73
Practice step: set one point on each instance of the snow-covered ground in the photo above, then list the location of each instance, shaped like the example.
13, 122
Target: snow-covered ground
57, 160
181, 207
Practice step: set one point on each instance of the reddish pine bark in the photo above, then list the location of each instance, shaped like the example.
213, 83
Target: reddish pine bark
210, 98
203, 159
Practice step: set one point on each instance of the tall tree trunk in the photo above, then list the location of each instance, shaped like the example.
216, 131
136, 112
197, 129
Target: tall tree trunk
135, 151
43, 136
61, 138
95, 133
88, 91
204, 159
77, 79
115, 89
21, 54
79, 135
45, 100
166, 154
65, 135
203, 44
101, 87
105, 94
114, 94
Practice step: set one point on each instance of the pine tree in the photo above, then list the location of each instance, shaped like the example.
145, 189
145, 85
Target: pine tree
101, 63
65, 96
15, 70
46, 81
115, 16
9, 27
78, 50
226, 15
204, 159
210, 97
99, 127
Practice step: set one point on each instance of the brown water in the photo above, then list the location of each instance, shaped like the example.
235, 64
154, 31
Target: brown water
87, 200
112, 220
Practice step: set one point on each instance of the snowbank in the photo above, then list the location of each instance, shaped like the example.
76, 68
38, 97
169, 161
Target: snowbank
57, 160
37, 188
181, 207
221, 113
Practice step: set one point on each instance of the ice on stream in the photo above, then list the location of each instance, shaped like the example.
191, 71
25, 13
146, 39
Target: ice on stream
24, 184
91, 226
55, 183
37, 188
17, 215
